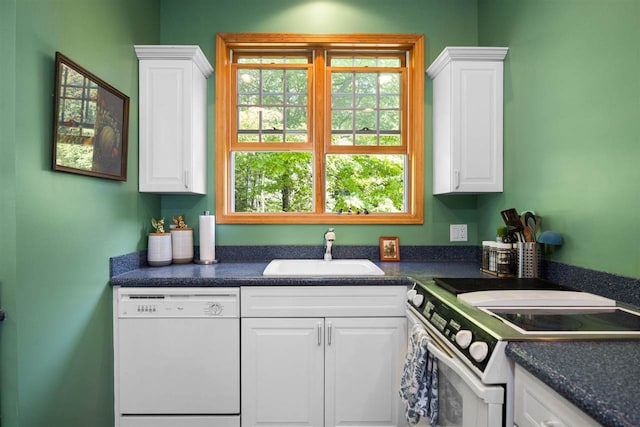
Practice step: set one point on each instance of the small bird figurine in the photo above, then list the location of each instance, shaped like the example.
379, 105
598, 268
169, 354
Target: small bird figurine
158, 225
179, 221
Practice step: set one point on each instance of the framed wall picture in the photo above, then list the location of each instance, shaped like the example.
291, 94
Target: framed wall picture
90, 125
389, 248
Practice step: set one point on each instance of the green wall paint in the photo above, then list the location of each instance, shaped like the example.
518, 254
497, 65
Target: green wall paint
8, 329
60, 229
572, 124
442, 22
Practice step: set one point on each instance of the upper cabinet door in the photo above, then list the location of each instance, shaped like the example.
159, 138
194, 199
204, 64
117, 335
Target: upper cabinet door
173, 121
467, 119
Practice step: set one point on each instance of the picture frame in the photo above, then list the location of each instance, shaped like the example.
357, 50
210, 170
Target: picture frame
389, 248
90, 123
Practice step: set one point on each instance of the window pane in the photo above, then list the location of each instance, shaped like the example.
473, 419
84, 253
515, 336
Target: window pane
342, 101
366, 101
342, 120
272, 118
296, 118
390, 101
366, 140
248, 81
296, 137
366, 120
273, 81
366, 82
371, 182
389, 82
296, 81
342, 83
390, 140
272, 182
249, 118
390, 120
338, 139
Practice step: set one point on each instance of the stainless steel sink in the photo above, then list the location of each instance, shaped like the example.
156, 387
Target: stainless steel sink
318, 267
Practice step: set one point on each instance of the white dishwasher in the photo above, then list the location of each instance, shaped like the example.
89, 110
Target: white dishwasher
177, 357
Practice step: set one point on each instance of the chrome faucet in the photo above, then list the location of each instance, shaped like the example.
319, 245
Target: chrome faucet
329, 237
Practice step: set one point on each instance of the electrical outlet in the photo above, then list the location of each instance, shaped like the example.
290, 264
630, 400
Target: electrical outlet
458, 233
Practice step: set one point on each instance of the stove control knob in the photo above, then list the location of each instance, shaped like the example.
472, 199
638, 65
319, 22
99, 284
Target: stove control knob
411, 294
479, 350
418, 300
463, 338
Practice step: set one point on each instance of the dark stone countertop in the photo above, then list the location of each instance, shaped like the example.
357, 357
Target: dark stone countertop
602, 378
250, 274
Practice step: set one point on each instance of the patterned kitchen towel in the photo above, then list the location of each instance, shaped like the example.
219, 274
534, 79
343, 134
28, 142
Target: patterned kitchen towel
419, 383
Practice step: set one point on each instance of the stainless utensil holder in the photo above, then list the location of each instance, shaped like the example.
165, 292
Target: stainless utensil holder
529, 259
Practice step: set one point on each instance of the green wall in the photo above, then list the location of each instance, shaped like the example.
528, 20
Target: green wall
442, 22
60, 229
572, 124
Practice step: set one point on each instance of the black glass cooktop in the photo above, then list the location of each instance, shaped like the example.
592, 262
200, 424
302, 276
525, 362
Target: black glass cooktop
457, 285
605, 319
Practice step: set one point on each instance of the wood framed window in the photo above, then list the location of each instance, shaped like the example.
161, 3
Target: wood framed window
319, 128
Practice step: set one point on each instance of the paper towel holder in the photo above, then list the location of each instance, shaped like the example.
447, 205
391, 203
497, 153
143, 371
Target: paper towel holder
205, 261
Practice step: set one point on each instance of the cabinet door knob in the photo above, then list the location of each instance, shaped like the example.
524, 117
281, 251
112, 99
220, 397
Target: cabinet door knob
456, 177
329, 334
186, 179
319, 333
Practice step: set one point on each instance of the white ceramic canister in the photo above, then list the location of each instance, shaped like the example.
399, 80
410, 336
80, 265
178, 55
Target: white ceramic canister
182, 245
159, 249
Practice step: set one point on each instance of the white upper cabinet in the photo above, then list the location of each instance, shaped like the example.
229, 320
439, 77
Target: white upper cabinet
173, 119
467, 119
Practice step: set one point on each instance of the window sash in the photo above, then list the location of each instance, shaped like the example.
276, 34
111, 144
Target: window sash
236, 131
403, 107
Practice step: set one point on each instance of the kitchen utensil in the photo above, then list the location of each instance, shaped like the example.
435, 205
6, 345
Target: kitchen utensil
531, 222
529, 235
513, 222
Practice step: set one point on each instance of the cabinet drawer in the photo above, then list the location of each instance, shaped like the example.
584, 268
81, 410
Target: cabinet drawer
537, 405
323, 301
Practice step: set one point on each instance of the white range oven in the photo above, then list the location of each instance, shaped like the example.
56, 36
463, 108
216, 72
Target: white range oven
177, 357
470, 322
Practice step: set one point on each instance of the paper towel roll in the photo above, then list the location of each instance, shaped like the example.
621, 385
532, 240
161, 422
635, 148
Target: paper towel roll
207, 237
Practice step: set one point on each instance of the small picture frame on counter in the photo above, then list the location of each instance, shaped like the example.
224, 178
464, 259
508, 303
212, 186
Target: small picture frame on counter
389, 248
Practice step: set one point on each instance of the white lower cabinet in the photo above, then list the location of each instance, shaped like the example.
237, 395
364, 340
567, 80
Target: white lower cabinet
321, 371
537, 405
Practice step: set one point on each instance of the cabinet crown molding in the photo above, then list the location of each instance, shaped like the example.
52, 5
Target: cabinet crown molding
164, 52
470, 53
